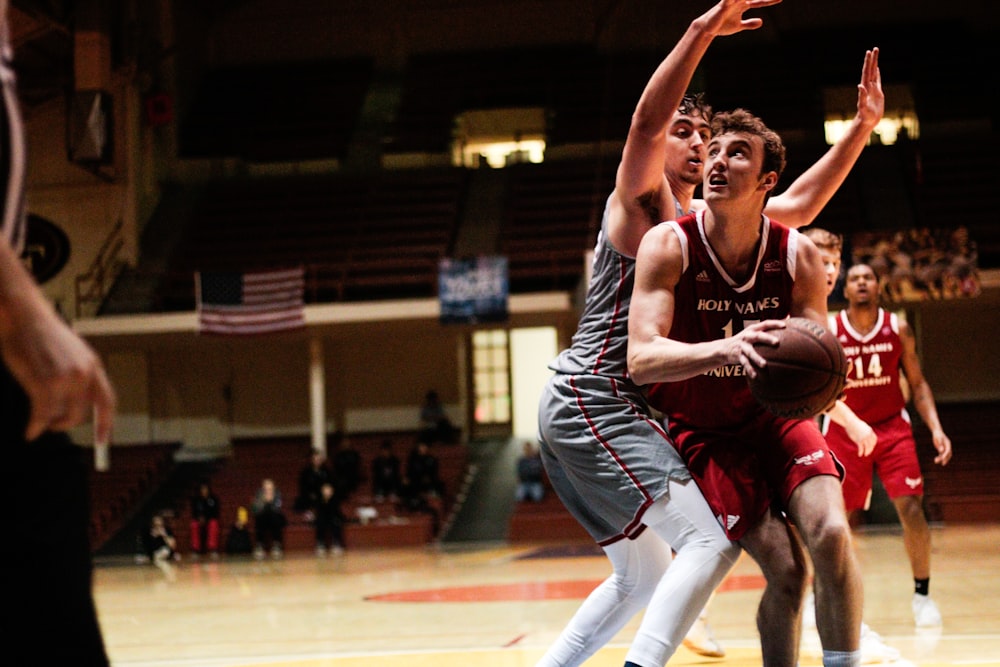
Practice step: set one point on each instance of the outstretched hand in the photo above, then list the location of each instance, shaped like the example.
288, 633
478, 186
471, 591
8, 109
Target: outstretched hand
871, 99
726, 18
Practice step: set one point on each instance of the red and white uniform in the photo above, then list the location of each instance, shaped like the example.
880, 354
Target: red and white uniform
741, 455
873, 392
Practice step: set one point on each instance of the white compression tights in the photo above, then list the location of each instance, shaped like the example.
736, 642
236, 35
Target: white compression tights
643, 576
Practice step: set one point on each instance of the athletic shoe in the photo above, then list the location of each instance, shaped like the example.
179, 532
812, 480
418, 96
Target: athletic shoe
873, 649
925, 612
700, 639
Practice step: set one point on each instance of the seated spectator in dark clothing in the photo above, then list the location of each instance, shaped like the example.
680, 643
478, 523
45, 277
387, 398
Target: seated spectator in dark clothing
347, 473
435, 426
238, 541
205, 521
530, 475
269, 520
422, 472
330, 522
312, 477
158, 542
386, 474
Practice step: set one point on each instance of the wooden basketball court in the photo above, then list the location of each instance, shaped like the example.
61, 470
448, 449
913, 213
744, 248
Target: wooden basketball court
497, 606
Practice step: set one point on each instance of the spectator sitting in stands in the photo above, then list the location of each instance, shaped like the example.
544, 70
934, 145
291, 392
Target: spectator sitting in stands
434, 423
205, 522
158, 542
238, 541
530, 475
312, 477
269, 520
422, 472
386, 475
330, 521
347, 473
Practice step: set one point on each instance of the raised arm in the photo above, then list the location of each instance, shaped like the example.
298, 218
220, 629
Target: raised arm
652, 355
923, 397
809, 193
643, 195
64, 379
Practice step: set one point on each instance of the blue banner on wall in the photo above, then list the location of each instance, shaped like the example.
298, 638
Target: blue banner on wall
473, 290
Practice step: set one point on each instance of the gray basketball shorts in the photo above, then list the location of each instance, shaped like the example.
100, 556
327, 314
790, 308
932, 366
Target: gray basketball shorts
608, 460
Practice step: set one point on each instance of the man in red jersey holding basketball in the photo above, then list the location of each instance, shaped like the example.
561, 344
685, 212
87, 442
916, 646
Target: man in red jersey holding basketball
878, 345
707, 288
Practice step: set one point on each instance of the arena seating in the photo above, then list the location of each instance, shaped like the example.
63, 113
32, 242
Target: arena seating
359, 237
545, 521
280, 458
133, 474
965, 490
277, 111
551, 220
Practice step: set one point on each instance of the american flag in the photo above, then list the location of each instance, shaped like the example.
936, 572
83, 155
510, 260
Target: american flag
232, 303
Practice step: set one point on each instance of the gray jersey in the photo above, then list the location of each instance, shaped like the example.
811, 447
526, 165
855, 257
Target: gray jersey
607, 458
600, 343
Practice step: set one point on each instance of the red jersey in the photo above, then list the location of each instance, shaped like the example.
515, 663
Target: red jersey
873, 389
710, 305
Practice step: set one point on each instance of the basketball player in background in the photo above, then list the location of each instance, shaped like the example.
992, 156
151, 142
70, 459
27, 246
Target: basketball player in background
50, 380
707, 288
831, 246
610, 462
878, 345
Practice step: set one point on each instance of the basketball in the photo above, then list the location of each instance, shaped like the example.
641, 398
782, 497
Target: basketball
805, 372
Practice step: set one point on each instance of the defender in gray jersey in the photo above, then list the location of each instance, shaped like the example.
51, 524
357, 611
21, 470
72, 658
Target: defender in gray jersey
50, 380
608, 459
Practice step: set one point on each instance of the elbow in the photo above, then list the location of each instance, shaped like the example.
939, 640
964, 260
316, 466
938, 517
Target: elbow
638, 371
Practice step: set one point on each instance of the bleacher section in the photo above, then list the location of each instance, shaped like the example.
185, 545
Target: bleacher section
956, 184
237, 480
359, 237
965, 490
551, 220
133, 474
545, 521
277, 112
589, 96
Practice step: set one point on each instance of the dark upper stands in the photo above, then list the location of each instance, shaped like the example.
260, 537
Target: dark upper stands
588, 96
359, 237
552, 216
277, 111
380, 235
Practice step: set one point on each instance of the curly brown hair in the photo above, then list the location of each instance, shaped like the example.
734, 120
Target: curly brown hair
694, 104
743, 122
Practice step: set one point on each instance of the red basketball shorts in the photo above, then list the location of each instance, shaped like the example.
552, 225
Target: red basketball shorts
742, 471
894, 459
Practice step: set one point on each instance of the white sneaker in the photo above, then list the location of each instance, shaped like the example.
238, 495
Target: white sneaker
258, 552
700, 639
925, 611
873, 649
